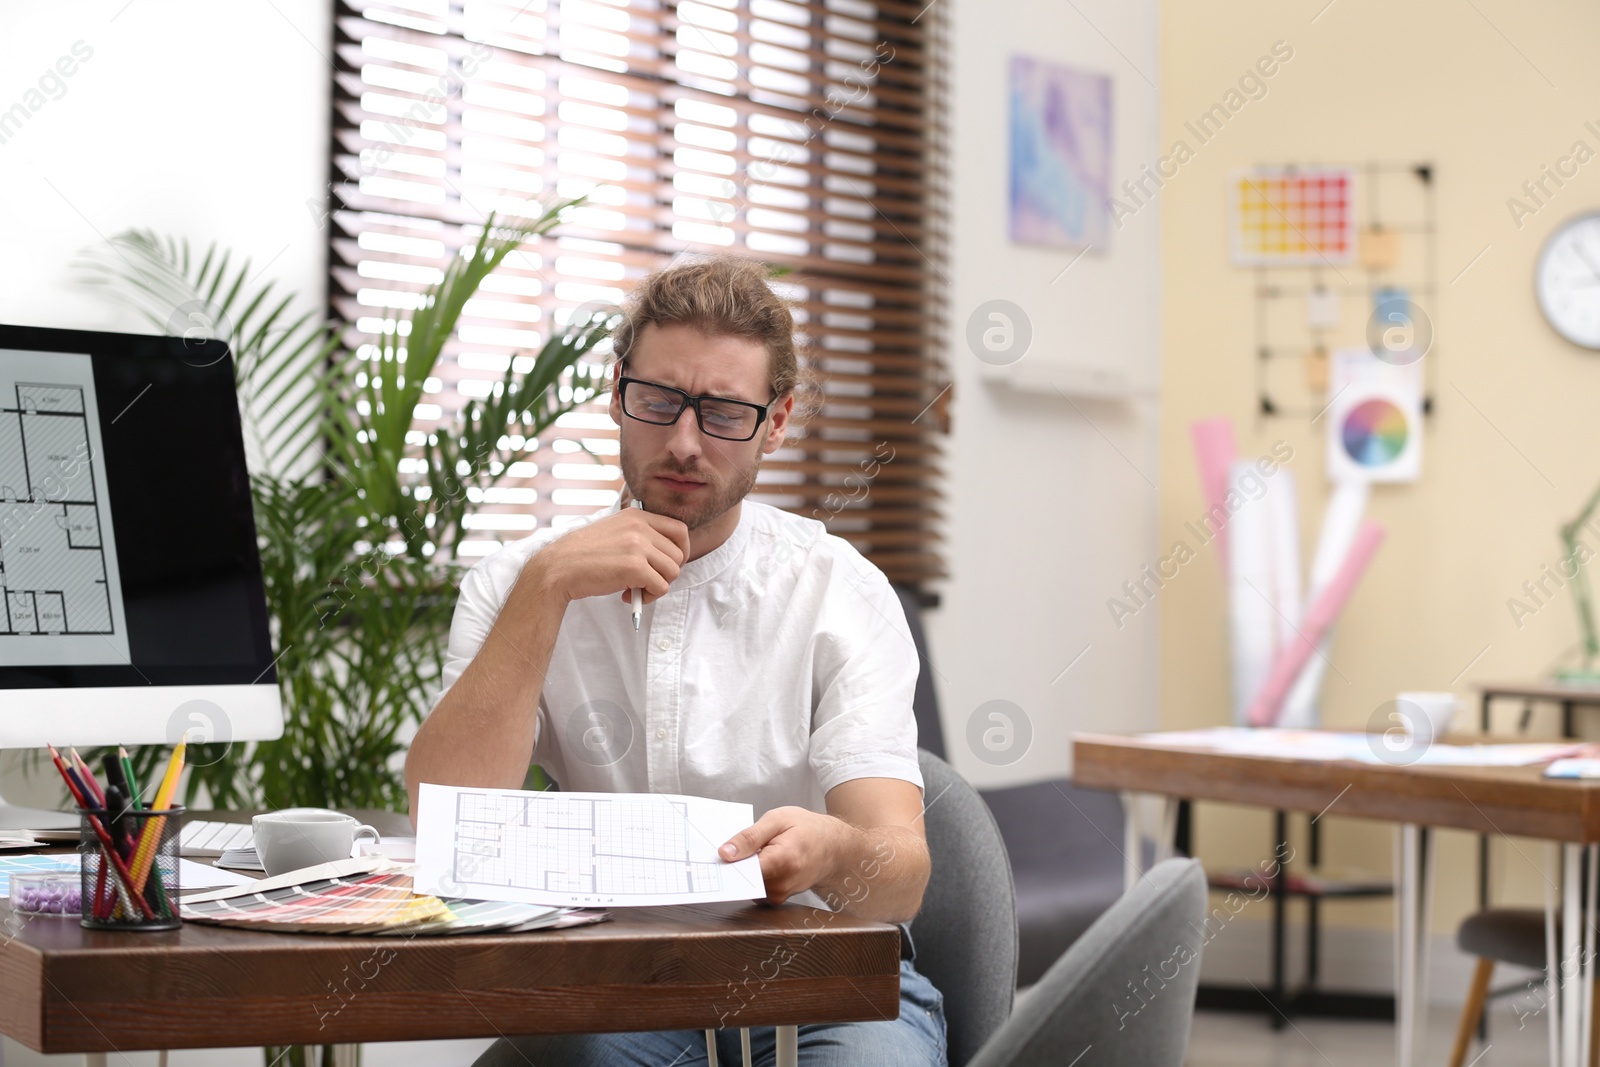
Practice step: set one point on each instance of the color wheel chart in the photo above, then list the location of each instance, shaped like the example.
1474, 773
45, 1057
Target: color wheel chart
1373, 424
1374, 433
1326, 243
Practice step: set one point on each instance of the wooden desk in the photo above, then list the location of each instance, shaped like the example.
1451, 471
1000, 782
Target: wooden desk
1505, 800
67, 989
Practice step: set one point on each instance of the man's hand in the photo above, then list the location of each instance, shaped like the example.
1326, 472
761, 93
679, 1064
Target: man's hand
632, 549
868, 856
798, 849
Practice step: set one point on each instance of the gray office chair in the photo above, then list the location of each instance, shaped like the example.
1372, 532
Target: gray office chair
966, 932
1122, 995
1065, 842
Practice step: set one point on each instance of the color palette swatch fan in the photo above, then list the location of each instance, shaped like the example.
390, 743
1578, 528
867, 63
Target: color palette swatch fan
1285, 216
1374, 423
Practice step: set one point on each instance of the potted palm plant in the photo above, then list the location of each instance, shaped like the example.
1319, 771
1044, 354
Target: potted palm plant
357, 556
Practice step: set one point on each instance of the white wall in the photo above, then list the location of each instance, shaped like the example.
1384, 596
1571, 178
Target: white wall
1050, 503
193, 119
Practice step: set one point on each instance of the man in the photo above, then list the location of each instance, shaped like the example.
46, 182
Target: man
773, 666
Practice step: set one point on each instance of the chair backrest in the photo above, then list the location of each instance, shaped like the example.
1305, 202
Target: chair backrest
925, 703
966, 932
1125, 989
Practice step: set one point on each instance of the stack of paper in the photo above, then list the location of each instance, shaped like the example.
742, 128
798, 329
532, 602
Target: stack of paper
191, 875
1328, 745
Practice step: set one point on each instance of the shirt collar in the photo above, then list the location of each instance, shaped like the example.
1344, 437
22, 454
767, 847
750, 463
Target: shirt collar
702, 570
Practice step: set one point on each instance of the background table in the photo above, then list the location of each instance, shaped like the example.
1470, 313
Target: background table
1505, 800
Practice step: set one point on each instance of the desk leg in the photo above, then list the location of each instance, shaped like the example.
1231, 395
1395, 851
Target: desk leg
711, 1048
1413, 896
1552, 871
1134, 812
1586, 1004
1132, 841
1576, 963
788, 1050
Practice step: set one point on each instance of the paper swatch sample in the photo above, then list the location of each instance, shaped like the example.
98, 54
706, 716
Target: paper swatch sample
605, 850
1283, 216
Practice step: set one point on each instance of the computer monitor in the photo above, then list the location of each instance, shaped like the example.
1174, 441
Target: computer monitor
132, 609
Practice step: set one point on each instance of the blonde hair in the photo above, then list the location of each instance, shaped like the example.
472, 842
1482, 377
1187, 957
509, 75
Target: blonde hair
724, 296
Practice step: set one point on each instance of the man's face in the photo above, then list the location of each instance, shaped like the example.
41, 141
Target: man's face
677, 470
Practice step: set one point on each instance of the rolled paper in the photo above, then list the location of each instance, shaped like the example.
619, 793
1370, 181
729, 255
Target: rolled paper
1263, 578
1215, 450
1340, 522
1325, 608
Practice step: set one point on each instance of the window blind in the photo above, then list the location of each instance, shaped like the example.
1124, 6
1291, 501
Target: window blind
798, 133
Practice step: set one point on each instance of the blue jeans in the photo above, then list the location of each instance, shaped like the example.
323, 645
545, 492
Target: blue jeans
915, 1039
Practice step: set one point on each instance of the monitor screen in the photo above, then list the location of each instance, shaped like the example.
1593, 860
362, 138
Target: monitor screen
128, 558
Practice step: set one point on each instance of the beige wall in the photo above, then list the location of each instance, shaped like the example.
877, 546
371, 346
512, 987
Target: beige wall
1513, 447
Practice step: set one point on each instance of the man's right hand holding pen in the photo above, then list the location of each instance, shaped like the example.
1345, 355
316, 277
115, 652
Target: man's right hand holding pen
497, 696
633, 549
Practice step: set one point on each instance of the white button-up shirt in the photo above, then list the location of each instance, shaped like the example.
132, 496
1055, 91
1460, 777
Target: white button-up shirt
776, 667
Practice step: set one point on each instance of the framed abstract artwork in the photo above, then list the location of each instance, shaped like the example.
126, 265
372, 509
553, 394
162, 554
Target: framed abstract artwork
1060, 185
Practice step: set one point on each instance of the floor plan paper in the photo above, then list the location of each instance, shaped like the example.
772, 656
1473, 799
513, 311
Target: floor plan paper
592, 850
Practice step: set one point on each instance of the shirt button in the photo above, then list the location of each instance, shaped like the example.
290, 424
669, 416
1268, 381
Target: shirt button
661, 732
663, 644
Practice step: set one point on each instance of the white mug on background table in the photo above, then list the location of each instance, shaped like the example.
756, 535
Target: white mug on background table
304, 837
1434, 712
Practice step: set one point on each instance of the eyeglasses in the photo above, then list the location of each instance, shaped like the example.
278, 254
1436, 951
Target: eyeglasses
662, 405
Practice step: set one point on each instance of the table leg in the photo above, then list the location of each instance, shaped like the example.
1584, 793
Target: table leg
1586, 1035
745, 1059
1424, 958
1569, 965
711, 1048
1133, 834
1552, 871
1413, 894
788, 1047
1132, 841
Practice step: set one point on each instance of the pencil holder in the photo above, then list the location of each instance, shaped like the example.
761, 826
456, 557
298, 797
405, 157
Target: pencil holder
129, 876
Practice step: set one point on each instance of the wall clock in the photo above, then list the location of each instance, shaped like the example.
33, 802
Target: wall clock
1567, 280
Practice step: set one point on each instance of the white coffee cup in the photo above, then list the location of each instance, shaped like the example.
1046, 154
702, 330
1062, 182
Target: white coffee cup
304, 837
1439, 709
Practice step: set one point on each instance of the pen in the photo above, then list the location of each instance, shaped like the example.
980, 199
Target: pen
638, 594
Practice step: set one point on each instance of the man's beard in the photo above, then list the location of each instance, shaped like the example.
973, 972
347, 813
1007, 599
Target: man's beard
697, 509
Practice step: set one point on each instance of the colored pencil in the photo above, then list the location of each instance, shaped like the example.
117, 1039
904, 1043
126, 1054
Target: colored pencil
145, 854
88, 776
80, 794
133, 782
138, 805
124, 877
